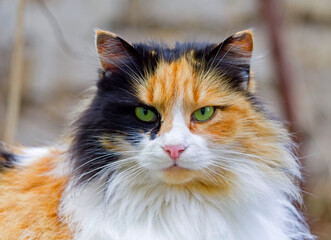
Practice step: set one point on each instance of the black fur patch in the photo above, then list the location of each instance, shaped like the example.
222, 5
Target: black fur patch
7, 159
111, 113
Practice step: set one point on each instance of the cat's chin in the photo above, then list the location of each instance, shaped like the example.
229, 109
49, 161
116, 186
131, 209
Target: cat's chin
177, 175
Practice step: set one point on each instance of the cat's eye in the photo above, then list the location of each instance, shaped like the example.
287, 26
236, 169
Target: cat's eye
203, 114
144, 114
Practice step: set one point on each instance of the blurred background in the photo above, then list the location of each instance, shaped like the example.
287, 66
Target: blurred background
292, 64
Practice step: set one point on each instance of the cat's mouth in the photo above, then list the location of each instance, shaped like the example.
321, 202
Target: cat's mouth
175, 167
176, 174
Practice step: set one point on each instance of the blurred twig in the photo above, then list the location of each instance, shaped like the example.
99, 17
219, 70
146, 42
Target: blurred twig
57, 30
272, 14
15, 79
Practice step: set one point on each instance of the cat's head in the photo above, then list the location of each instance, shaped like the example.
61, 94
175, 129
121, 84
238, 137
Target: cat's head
184, 116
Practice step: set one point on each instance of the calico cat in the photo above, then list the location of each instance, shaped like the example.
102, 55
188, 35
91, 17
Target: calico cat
173, 145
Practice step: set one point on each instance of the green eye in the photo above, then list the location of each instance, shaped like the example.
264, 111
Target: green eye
203, 114
145, 115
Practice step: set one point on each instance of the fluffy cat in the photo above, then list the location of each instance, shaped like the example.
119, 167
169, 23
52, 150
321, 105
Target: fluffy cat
173, 145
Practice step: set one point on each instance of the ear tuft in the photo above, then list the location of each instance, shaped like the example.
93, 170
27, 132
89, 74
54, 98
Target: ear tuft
113, 51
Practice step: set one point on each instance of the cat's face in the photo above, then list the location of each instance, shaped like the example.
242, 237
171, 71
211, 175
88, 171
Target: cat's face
184, 116
194, 115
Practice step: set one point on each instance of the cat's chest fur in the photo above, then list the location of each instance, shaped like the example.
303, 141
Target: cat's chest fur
157, 212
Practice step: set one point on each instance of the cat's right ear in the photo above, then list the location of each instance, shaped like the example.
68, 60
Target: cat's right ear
113, 51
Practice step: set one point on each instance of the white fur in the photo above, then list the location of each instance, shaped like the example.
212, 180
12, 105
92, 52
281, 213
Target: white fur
143, 209
134, 203
30, 155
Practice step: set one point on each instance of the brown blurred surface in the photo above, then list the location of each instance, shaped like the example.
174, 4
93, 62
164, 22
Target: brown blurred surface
54, 78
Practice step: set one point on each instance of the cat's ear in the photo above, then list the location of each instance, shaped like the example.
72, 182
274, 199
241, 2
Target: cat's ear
113, 51
233, 55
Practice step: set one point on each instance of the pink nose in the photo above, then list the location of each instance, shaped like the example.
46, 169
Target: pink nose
174, 150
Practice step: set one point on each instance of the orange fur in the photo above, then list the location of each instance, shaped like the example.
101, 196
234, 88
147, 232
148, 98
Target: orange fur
177, 175
29, 202
213, 182
209, 182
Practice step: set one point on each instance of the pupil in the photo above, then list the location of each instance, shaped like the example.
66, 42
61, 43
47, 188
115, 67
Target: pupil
203, 111
145, 111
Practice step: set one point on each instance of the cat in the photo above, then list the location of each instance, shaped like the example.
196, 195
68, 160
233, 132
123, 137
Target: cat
174, 144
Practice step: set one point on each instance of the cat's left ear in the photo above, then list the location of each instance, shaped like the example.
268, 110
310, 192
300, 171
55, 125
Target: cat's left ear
114, 52
233, 56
